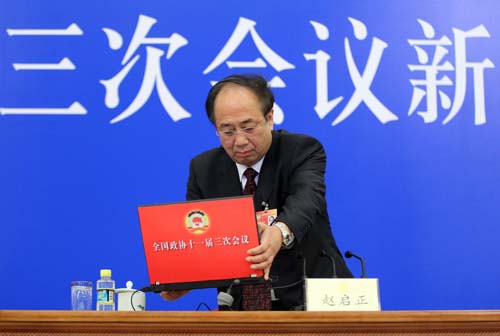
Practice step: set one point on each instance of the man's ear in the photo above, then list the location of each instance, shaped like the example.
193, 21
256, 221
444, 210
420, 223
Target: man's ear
270, 118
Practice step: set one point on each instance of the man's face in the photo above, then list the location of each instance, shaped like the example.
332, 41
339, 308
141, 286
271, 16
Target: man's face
244, 132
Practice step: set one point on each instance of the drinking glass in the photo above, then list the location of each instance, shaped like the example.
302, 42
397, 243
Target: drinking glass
81, 295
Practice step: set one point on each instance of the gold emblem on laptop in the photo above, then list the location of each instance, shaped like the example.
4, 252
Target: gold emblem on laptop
197, 222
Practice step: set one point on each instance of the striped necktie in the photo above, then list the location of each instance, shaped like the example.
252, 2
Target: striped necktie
258, 296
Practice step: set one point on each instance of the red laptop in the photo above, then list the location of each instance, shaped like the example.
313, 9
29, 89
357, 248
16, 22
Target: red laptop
199, 244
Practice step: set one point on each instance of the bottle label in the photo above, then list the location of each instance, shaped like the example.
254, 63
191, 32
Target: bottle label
105, 296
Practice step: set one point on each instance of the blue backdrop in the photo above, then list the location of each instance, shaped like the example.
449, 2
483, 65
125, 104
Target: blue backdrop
102, 107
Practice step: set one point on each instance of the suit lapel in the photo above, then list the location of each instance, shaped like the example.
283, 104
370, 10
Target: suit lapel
267, 175
230, 184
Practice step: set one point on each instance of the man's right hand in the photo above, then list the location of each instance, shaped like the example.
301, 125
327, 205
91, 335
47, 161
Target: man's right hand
173, 295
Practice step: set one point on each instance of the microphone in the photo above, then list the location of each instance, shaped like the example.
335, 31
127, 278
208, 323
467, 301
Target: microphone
349, 254
302, 280
332, 260
304, 285
293, 284
304, 270
225, 299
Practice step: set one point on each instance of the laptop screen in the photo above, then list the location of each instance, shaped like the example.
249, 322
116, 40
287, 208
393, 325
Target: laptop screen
199, 244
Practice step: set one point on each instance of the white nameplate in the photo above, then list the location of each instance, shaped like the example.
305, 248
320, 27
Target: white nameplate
342, 295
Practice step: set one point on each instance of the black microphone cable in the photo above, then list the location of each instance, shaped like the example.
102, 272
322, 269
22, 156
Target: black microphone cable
304, 275
203, 304
301, 281
132, 300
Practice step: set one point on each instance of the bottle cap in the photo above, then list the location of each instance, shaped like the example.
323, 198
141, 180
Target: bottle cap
105, 273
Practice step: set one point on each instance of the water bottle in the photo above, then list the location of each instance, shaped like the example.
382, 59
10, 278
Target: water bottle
105, 291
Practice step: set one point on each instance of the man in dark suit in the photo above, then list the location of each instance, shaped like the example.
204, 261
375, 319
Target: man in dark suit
289, 171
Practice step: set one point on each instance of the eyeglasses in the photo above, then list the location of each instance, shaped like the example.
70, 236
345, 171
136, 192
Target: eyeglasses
248, 130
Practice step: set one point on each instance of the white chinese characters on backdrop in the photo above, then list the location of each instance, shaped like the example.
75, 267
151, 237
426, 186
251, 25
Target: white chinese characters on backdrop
64, 64
362, 82
434, 65
152, 74
243, 28
431, 55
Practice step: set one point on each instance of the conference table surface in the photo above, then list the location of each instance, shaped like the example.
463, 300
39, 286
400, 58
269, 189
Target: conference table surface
472, 322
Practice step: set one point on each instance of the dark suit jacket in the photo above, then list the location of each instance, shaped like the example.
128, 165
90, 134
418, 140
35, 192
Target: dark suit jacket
291, 180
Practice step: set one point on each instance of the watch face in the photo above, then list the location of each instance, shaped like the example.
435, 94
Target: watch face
287, 241
287, 238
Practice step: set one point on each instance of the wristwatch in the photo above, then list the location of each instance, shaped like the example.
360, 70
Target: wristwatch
286, 234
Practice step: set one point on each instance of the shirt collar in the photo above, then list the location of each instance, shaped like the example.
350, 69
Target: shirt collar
256, 167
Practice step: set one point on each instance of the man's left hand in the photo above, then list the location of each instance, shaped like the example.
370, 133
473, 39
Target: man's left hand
262, 256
